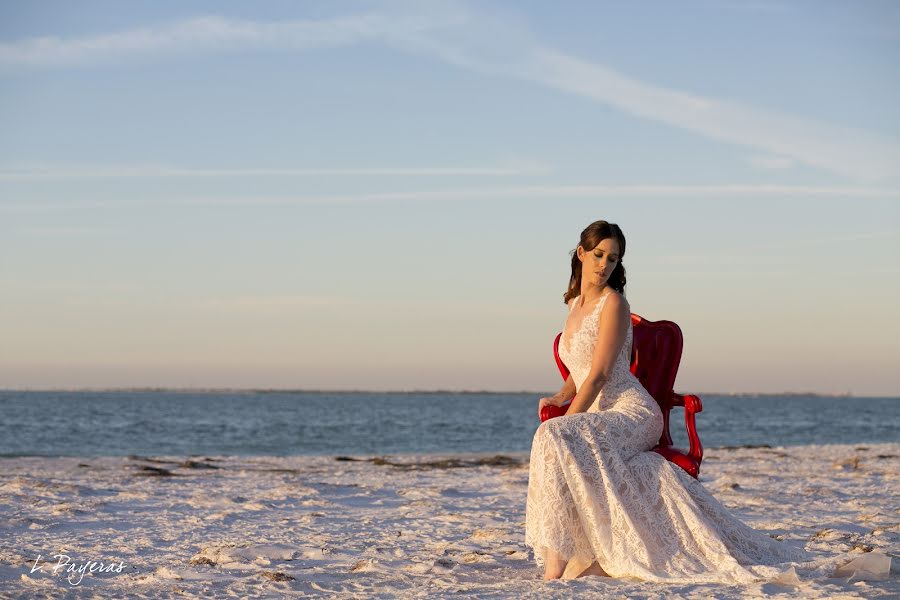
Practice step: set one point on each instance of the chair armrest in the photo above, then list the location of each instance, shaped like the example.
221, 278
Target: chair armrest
690, 402
692, 405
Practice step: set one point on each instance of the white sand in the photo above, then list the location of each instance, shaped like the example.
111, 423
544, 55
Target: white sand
319, 527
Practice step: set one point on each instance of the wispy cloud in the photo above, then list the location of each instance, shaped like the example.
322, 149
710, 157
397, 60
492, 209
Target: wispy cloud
850, 152
498, 44
568, 191
771, 162
549, 192
749, 6
202, 34
63, 172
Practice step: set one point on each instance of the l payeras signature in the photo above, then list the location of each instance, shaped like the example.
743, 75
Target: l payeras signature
78, 569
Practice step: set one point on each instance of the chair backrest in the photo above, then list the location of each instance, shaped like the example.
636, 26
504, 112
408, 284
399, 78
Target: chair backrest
655, 357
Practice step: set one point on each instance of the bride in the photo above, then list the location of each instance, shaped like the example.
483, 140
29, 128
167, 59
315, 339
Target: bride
600, 501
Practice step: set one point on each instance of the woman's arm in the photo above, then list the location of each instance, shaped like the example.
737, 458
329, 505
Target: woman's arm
566, 391
612, 331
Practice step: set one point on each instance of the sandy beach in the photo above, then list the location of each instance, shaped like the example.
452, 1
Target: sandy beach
406, 526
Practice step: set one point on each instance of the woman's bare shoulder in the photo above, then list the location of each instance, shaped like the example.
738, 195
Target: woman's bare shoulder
618, 302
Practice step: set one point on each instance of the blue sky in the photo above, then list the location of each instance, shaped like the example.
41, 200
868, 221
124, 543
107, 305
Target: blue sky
384, 195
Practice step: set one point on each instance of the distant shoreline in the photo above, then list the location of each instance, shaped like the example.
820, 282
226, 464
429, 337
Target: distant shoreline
211, 390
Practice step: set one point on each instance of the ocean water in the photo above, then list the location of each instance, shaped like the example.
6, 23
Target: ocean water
120, 423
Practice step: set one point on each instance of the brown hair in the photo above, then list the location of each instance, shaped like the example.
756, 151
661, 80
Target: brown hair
592, 235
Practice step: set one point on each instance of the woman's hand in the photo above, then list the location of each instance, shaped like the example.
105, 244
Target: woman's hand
554, 400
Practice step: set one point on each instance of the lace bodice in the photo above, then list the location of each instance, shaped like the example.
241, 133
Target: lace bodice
577, 353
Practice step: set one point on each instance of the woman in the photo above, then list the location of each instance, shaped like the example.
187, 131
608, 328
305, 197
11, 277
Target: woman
599, 500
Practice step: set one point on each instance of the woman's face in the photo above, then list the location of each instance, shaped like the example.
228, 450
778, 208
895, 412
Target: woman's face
598, 264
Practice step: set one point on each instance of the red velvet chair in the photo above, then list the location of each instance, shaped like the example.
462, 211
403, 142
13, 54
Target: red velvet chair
655, 357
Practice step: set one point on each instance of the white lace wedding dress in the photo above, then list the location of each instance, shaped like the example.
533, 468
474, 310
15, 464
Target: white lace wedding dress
596, 491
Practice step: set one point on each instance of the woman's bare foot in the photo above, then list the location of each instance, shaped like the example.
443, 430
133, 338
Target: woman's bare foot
554, 566
594, 569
